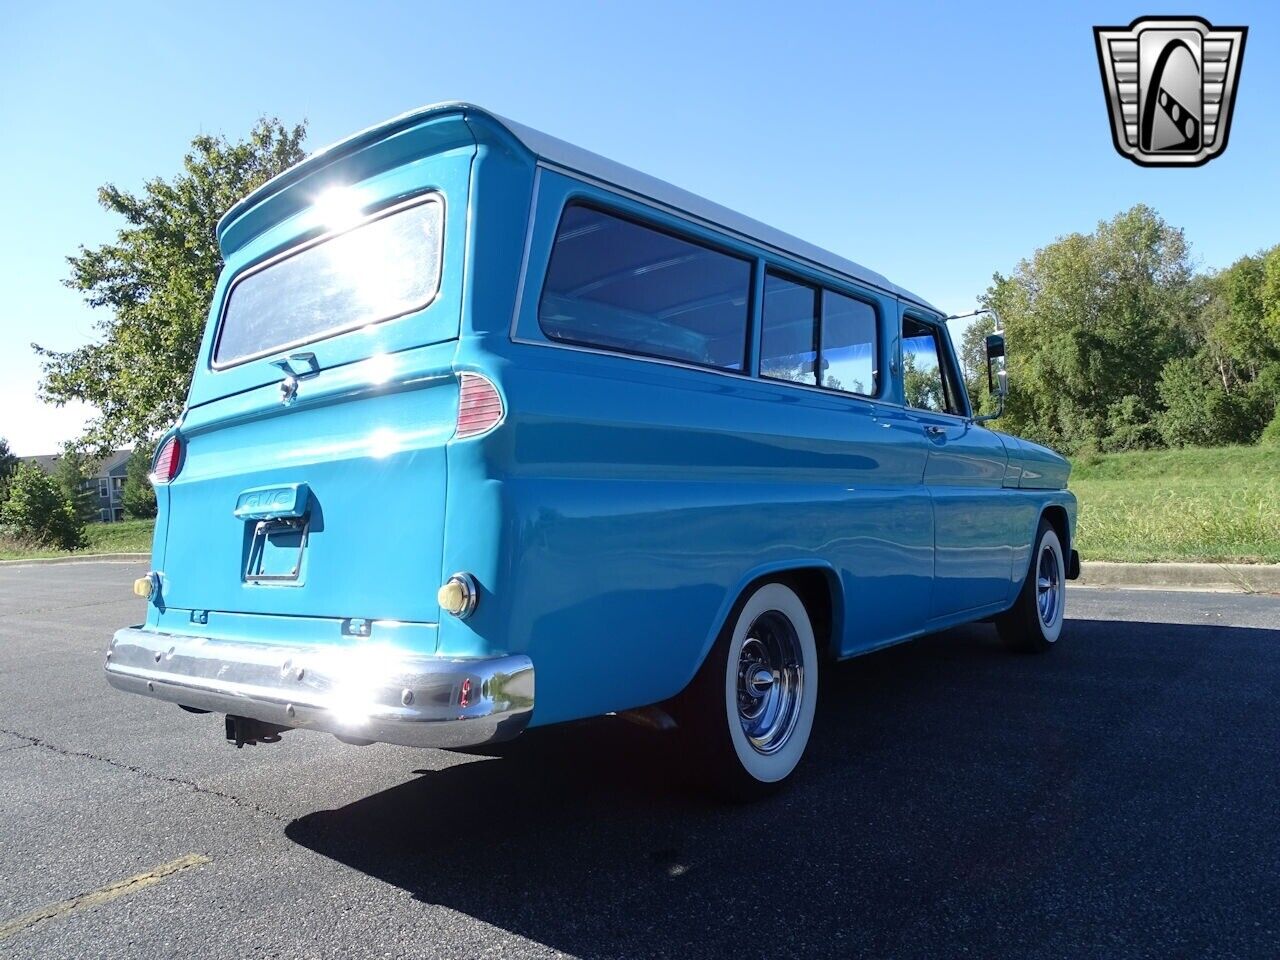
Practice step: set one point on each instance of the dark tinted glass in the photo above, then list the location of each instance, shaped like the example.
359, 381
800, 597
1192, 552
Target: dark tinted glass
616, 284
848, 344
789, 342
383, 269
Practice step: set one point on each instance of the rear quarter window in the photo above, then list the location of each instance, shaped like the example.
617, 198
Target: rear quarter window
379, 270
619, 285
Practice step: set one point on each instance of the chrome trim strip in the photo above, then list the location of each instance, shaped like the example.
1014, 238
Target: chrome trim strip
856, 398
364, 690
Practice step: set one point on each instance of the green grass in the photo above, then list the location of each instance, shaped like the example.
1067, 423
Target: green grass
1199, 505
127, 536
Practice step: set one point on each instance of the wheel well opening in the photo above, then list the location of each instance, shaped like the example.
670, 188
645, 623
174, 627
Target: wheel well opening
1057, 517
813, 587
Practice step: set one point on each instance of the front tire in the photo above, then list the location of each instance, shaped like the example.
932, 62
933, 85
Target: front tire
1034, 622
748, 713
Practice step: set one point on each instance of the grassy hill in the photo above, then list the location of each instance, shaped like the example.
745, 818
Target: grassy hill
1220, 504
127, 536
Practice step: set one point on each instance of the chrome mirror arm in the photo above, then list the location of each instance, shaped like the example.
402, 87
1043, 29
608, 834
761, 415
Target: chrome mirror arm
1001, 378
1001, 386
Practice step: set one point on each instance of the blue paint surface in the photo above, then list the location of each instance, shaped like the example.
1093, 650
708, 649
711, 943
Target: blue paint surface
616, 513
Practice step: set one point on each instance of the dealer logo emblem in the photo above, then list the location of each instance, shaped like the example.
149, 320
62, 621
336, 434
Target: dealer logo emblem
1170, 84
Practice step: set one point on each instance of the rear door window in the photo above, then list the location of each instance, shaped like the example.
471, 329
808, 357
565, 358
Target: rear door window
379, 270
620, 285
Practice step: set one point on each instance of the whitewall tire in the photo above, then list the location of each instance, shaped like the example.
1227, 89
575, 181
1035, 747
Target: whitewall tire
1034, 622
749, 712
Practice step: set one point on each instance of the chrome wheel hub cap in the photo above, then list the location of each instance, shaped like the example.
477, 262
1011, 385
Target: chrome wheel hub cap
1048, 586
770, 682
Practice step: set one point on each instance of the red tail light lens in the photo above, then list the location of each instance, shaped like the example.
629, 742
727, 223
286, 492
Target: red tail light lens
479, 406
168, 461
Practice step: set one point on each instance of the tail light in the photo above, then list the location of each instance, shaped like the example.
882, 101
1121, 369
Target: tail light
479, 406
168, 460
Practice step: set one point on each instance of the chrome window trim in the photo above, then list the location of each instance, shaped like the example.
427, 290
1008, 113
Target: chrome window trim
716, 228
840, 283
821, 288
638, 220
937, 324
430, 196
760, 381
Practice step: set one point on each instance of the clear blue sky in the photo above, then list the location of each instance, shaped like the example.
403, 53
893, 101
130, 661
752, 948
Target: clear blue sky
936, 143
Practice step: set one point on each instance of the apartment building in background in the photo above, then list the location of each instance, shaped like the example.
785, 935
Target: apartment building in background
106, 484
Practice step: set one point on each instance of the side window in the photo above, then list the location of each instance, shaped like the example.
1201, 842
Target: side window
839, 353
928, 382
615, 284
848, 344
789, 339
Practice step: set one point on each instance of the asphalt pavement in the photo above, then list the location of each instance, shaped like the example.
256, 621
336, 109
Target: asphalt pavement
1118, 797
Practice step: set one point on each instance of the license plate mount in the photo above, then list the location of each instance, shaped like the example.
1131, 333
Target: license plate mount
277, 550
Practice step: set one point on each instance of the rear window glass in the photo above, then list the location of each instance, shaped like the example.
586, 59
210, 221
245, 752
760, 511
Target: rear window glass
848, 344
837, 352
379, 270
615, 284
789, 344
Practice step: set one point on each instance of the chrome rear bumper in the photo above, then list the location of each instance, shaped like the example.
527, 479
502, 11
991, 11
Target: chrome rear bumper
366, 691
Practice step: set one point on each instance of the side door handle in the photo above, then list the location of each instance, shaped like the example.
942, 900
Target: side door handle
933, 431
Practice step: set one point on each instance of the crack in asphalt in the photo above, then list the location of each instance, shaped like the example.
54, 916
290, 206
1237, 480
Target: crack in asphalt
148, 774
67, 606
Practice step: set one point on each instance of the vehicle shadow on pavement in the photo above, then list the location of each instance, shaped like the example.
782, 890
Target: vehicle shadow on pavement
1115, 796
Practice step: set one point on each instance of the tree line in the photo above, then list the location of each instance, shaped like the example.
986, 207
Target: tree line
1115, 342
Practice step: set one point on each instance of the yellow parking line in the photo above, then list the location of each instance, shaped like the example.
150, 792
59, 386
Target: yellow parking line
103, 895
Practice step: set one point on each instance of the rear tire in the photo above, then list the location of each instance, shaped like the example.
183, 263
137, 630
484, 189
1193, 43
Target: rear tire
748, 713
1034, 622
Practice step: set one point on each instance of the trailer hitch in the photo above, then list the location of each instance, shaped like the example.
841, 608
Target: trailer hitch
242, 730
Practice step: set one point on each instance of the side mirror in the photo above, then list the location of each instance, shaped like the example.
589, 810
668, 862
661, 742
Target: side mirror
997, 375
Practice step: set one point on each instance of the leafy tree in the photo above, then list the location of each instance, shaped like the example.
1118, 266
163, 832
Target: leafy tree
973, 362
37, 513
1235, 346
1271, 435
1091, 319
72, 475
921, 388
1198, 411
1131, 425
157, 281
139, 496
8, 463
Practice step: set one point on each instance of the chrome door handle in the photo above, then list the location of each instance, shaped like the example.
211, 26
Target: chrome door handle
934, 430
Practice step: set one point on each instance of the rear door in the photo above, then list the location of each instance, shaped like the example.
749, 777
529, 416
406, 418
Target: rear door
313, 477
964, 474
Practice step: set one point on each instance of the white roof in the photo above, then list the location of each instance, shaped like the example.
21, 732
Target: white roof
574, 158
558, 153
